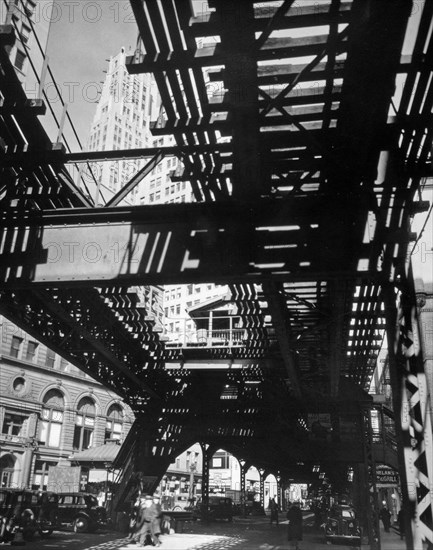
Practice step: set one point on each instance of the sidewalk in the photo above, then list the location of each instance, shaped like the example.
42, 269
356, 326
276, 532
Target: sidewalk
245, 534
391, 540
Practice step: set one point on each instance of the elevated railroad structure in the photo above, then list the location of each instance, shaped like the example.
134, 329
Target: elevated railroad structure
305, 132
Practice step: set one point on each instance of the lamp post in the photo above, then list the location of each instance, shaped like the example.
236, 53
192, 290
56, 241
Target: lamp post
192, 470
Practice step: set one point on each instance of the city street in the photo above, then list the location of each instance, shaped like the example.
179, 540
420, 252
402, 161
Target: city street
242, 534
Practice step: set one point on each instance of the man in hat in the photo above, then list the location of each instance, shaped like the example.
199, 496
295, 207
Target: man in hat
156, 521
144, 520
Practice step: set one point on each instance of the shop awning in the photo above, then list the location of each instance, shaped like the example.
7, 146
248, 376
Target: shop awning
101, 456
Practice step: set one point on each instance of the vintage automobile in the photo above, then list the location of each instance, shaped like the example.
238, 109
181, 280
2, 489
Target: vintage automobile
28, 512
217, 508
82, 511
342, 527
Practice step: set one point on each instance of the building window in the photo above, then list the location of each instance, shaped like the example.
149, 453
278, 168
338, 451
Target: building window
52, 418
40, 480
7, 466
63, 365
19, 385
31, 351
113, 429
15, 346
19, 60
13, 424
25, 33
84, 424
221, 460
50, 359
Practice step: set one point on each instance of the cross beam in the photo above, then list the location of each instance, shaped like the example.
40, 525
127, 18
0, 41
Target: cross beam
224, 241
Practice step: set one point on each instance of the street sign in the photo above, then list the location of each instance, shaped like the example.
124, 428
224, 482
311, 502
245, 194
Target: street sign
386, 476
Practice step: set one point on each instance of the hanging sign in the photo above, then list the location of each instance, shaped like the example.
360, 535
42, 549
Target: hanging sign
386, 476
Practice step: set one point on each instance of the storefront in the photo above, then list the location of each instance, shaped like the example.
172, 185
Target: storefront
388, 489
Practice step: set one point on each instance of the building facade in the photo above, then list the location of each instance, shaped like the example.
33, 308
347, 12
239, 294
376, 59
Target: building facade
49, 410
122, 121
31, 21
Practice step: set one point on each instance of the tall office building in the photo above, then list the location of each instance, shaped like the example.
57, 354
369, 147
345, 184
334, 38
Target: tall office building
121, 121
31, 21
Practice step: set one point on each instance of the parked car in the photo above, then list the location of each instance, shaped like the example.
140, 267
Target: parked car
27, 511
82, 511
342, 527
218, 508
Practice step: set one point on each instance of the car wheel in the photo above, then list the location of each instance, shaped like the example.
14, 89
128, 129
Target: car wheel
81, 524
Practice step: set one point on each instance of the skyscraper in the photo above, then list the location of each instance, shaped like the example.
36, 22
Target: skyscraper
31, 21
121, 121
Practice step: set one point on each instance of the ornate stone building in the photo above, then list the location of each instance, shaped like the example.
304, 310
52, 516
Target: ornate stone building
49, 410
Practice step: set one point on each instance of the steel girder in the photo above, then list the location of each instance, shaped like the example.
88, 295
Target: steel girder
317, 145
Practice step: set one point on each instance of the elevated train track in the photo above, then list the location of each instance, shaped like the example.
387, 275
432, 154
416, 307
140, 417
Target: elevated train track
305, 133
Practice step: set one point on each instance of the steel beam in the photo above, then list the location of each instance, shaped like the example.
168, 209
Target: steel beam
413, 411
274, 294
223, 241
241, 80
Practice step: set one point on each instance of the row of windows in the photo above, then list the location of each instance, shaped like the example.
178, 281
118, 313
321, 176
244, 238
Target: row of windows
176, 293
30, 353
173, 310
52, 418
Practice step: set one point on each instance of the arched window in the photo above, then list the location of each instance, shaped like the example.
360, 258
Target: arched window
113, 429
7, 466
84, 424
52, 418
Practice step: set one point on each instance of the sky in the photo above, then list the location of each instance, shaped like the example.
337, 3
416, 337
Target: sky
83, 35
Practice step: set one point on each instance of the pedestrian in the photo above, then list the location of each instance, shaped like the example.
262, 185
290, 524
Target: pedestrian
133, 515
146, 514
400, 521
274, 510
155, 525
294, 515
385, 516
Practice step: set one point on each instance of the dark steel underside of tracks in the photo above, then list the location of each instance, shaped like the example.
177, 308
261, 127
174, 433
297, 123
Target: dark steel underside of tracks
306, 181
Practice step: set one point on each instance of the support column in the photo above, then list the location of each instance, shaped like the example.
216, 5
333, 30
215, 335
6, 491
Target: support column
279, 491
205, 476
244, 469
25, 469
412, 403
210, 329
370, 472
262, 487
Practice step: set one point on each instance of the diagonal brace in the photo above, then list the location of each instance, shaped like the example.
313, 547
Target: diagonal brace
135, 180
279, 14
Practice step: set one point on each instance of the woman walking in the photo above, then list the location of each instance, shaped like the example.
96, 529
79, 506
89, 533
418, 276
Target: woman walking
294, 515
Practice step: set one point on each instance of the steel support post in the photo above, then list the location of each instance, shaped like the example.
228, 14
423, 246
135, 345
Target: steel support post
262, 488
243, 473
279, 491
205, 476
370, 471
412, 403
